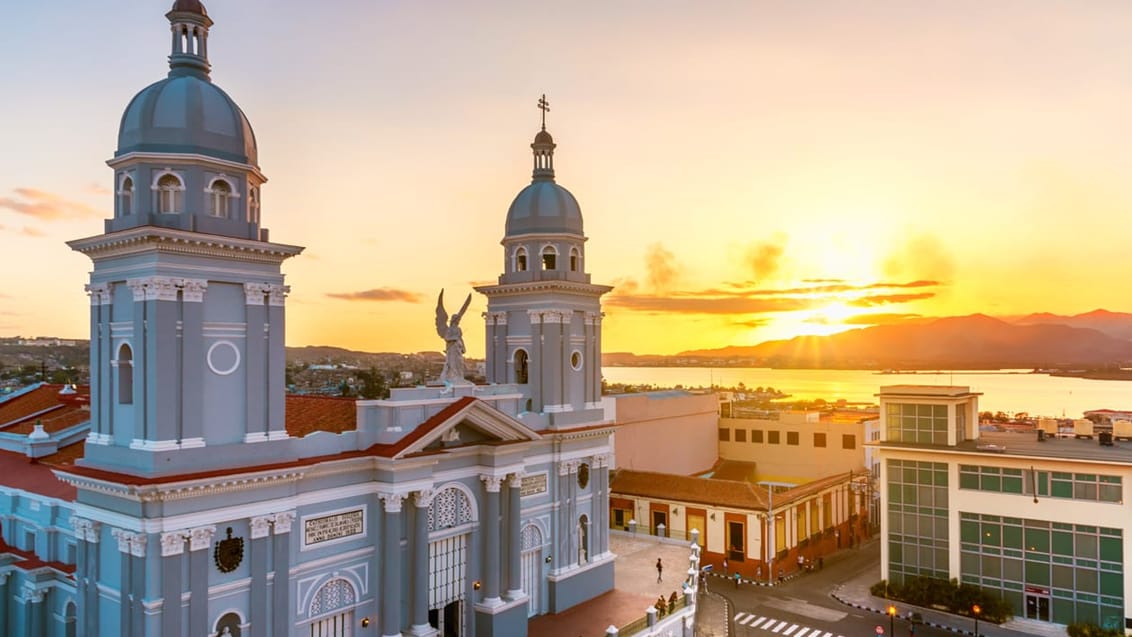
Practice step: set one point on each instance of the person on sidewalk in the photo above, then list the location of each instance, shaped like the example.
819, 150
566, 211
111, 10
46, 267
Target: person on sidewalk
659, 570
725, 567
736, 580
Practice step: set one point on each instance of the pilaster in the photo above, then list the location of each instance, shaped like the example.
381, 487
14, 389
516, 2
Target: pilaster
514, 535
419, 571
391, 569
255, 364
260, 539
281, 585
491, 540
276, 361
535, 361
172, 554
192, 361
200, 541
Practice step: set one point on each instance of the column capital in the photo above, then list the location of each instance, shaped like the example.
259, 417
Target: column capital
283, 521
515, 479
261, 526
535, 316
556, 316
201, 537
81, 527
277, 295
4, 577
392, 501
99, 293
34, 595
192, 290
130, 542
173, 542
423, 498
137, 286
566, 467
491, 483
254, 293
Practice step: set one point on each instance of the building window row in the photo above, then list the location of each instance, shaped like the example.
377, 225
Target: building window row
1052, 484
549, 257
1066, 572
774, 437
920, 424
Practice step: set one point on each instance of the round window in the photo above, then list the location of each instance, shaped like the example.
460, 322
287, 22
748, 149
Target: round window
576, 360
583, 475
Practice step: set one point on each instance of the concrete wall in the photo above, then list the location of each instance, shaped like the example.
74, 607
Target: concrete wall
794, 463
669, 432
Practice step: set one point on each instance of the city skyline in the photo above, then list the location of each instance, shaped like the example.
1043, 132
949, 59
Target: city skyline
755, 172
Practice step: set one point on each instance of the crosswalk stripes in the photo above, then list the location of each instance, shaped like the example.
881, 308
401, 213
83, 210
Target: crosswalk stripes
778, 626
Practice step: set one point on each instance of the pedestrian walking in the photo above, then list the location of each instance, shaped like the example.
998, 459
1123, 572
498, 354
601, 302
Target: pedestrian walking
780, 576
736, 580
725, 567
659, 570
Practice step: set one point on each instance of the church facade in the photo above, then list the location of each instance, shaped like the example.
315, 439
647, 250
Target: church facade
184, 494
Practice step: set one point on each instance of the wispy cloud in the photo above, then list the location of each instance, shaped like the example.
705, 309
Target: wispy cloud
880, 319
46, 206
377, 294
764, 259
29, 231
885, 299
692, 303
661, 266
98, 189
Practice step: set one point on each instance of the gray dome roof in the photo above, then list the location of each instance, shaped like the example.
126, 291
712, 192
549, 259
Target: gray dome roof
186, 113
544, 206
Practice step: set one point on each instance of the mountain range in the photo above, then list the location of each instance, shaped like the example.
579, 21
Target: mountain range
1092, 339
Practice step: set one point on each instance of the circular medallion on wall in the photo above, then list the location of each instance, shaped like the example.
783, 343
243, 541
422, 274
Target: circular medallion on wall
583, 475
223, 358
576, 360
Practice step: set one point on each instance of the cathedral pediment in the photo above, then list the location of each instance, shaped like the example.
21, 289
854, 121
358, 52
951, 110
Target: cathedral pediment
467, 423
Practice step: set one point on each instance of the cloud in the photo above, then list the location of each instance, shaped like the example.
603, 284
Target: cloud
880, 319
98, 189
922, 257
882, 299
46, 205
377, 294
765, 258
660, 264
29, 231
694, 304
753, 323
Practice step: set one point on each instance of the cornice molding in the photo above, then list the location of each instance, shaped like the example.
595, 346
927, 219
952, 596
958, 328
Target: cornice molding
565, 287
152, 239
183, 158
179, 490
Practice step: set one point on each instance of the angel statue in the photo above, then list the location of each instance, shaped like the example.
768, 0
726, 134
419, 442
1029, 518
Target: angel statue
449, 330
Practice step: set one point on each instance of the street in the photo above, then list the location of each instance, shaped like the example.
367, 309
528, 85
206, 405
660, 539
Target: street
802, 607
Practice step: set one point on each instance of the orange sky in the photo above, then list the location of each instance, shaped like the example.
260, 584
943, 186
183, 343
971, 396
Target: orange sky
746, 170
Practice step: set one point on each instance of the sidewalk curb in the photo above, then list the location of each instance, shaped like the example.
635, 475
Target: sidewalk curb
960, 631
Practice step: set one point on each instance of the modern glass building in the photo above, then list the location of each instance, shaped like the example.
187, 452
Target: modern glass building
1042, 523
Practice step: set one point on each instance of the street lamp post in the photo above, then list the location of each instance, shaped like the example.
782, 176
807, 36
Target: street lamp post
892, 620
770, 534
975, 610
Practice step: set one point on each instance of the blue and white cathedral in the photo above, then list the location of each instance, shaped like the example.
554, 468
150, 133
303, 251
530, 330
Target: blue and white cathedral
186, 495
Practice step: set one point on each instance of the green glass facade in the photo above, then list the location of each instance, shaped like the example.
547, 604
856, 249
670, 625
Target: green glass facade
1074, 570
921, 424
917, 519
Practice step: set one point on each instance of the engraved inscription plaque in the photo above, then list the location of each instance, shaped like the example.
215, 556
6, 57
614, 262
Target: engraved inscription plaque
533, 485
333, 527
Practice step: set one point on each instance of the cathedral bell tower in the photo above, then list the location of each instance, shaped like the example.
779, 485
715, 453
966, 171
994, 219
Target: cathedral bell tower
544, 315
187, 296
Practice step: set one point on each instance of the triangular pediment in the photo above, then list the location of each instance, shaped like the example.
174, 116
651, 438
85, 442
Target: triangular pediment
476, 423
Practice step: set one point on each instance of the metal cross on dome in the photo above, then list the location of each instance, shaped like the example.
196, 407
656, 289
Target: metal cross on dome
543, 106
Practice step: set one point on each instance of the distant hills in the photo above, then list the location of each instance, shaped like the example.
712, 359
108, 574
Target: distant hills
1093, 339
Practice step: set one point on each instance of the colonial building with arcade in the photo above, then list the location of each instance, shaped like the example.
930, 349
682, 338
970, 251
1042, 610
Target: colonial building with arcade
185, 494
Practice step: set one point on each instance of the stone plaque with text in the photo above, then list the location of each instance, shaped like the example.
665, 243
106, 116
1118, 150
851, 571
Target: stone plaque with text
333, 527
533, 485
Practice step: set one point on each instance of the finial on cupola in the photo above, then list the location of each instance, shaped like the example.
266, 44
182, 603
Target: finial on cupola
543, 146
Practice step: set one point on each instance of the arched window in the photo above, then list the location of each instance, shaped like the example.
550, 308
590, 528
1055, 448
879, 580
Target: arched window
228, 625
69, 619
583, 539
126, 197
521, 366
219, 196
549, 258
253, 205
575, 257
520, 260
450, 508
170, 194
125, 375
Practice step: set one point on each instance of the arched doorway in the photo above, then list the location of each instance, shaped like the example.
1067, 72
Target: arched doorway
332, 609
451, 520
521, 365
531, 566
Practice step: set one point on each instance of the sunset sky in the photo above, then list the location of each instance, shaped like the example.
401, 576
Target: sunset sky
747, 170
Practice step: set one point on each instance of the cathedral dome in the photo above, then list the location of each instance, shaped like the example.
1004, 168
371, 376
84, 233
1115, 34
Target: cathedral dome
544, 206
186, 113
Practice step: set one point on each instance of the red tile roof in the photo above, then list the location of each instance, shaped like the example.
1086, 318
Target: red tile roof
30, 560
308, 414
667, 486
21, 472
16, 409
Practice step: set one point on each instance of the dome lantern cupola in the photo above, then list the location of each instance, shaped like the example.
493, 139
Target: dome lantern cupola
543, 147
189, 24
544, 206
